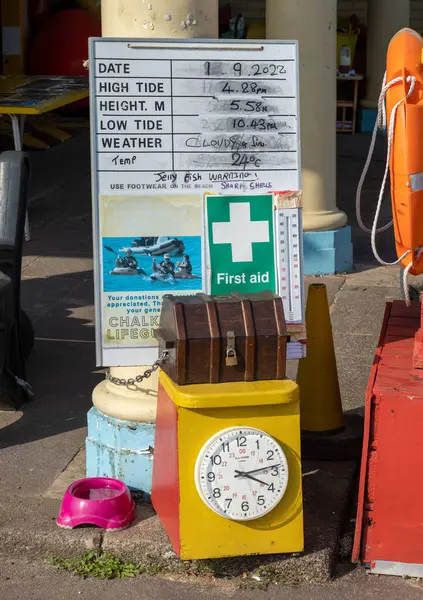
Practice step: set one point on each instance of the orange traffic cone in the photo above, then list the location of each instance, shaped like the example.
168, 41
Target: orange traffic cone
326, 432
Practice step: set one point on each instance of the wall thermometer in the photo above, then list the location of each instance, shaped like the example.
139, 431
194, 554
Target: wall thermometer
290, 258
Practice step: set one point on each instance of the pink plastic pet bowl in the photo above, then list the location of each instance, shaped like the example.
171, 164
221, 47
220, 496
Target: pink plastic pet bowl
99, 501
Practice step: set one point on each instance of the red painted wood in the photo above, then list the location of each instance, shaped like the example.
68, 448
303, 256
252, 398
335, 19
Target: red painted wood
360, 519
165, 489
418, 353
399, 309
418, 350
390, 509
391, 379
406, 330
402, 359
403, 320
396, 474
396, 344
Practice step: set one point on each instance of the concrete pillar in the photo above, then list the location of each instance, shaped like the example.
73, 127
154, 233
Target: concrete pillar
384, 19
313, 23
149, 19
121, 424
160, 18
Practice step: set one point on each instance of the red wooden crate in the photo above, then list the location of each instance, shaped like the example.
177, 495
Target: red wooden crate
389, 527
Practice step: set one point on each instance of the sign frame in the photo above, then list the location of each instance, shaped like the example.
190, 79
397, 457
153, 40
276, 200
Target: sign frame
136, 355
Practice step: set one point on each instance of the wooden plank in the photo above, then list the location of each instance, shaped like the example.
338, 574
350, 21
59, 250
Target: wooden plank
356, 553
395, 345
405, 321
391, 529
399, 309
406, 331
38, 95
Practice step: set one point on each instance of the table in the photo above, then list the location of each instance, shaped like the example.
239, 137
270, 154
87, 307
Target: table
348, 125
23, 95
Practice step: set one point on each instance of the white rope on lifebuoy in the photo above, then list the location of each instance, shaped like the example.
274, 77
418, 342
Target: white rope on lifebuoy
381, 123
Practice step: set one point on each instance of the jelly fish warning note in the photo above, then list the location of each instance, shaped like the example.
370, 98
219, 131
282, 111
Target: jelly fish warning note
177, 119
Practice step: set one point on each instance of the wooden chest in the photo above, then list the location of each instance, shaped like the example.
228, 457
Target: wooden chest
223, 338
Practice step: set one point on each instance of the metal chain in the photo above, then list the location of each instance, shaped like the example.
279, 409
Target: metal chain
147, 373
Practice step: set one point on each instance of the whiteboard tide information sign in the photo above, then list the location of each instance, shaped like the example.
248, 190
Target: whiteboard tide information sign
171, 121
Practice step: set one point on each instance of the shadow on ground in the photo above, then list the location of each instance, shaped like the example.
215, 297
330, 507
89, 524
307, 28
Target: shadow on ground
351, 156
61, 368
57, 289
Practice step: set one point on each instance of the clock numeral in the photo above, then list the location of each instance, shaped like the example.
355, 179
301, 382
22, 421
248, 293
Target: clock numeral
225, 447
261, 500
258, 444
216, 493
245, 506
270, 454
241, 441
216, 460
211, 476
228, 502
274, 471
271, 488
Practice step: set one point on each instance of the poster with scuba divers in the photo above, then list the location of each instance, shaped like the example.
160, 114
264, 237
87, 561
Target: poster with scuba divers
150, 246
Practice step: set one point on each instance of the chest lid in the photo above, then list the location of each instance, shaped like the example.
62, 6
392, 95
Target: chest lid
204, 316
223, 338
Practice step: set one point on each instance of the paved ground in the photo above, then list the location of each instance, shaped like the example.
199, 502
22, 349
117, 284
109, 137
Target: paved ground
20, 580
38, 443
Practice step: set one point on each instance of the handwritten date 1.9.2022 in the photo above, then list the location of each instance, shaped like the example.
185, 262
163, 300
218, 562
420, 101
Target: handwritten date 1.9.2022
237, 69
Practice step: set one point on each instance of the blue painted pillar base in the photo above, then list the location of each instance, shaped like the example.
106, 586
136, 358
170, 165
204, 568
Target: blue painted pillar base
366, 119
120, 449
328, 252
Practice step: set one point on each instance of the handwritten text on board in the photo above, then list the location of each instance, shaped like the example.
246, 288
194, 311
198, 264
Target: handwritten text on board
187, 120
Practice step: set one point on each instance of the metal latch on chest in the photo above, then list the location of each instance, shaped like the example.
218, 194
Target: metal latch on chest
231, 357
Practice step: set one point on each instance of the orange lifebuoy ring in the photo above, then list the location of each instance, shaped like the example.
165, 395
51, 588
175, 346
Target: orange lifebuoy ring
400, 112
404, 111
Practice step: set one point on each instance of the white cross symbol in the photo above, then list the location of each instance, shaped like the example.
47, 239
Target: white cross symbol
241, 232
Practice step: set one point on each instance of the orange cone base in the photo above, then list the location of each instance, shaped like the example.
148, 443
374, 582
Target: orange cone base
339, 444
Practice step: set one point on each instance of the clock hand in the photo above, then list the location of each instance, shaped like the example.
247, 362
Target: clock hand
242, 474
258, 470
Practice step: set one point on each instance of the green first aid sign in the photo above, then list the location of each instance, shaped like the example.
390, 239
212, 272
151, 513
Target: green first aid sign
241, 251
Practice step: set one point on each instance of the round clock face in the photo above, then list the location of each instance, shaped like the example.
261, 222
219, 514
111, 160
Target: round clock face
241, 473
